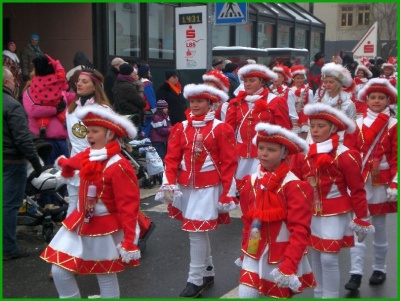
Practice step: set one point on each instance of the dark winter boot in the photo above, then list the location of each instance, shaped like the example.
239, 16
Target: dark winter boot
191, 290
354, 283
377, 277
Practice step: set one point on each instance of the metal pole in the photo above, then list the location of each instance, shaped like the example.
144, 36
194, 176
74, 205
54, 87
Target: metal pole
210, 16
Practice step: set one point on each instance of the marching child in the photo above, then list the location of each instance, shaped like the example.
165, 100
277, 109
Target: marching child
277, 214
199, 168
334, 171
100, 236
361, 79
376, 140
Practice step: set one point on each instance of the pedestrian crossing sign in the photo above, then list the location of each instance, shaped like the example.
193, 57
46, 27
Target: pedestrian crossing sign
230, 13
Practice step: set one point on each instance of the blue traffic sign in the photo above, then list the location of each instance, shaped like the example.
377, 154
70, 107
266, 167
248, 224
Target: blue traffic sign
230, 13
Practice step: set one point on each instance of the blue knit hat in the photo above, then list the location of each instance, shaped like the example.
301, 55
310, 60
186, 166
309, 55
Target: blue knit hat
143, 70
34, 36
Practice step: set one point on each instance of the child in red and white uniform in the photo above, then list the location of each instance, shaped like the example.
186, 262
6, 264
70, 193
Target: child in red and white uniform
303, 94
220, 81
276, 209
100, 236
254, 105
199, 179
334, 172
376, 140
281, 88
388, 73
361, 79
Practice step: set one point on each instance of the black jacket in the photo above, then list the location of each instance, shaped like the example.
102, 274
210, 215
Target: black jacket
127, 100
109, 81
17, 142
176, 103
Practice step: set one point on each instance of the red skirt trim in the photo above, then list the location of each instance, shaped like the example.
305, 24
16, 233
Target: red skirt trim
84, 267
382, 208
331, 245
270, 288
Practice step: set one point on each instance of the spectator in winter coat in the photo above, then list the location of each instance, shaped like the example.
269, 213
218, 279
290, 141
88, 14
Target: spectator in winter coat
111, 77
160, 128
149, 97
315, 71
171, 92
28, 54
230, 71
127, 100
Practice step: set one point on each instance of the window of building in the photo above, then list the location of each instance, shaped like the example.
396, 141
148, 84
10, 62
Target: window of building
124, 29
283, 36
346, 16
161, 31
363, 15
220, 35
300, 38
244, 34
265, 32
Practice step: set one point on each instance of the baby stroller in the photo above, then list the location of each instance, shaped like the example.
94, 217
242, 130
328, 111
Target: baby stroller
31, 213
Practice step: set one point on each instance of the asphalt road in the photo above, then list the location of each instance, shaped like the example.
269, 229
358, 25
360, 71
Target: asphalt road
164, 264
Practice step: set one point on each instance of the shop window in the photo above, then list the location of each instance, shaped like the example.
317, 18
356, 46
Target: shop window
244, 34
346, 16
283, 36
265, 35
220, 35
363, 15
161, 31
124, 29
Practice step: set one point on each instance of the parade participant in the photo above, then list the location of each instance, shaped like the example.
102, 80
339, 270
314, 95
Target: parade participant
334, 172
388, 73
335, 77
89, 90
303, 94
376, 140
276, 210
362, 76
100, 236
280, 87
220, 81
199, 180
254, 105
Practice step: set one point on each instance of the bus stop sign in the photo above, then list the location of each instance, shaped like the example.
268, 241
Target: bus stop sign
230, 13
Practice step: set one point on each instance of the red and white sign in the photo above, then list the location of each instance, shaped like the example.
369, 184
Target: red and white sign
366, 47
191, 37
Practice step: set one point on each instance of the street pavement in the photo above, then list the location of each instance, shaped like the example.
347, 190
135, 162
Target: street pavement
165, 262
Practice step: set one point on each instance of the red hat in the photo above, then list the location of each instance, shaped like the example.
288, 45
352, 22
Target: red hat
99, 115
217, 77
324, 111
364, 68
284, 70
388, 65
276, 134
339, 72
193, 91
298, 69
378, 85
257, 70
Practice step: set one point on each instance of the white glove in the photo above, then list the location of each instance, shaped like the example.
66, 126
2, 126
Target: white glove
296, 129
391, 194
281, 280
168, 193
127, 256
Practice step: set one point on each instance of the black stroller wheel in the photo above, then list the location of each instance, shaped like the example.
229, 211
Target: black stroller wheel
48, 234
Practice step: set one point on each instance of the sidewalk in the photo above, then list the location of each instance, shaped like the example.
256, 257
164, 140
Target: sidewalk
145, 193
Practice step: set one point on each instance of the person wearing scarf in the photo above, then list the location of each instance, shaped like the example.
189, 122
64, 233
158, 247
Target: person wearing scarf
171, 92
303, 94
361, 79
254, 105
100, 236
28, 53
379, 173
281, 88
339, 204
11, 61
198, 183
335, 77
275, 199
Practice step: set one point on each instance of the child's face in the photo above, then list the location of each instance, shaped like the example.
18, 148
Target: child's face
165, 111
298, 80
387, 71
252, 85
270, 155
96, 136
84, 85
199, 106
330, 84
360, 74
377, 101
320, 130
280, 80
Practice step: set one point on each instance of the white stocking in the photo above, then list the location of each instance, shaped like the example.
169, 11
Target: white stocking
109, 287
317, 271
198, 253
248, 292
65, 283
330, 275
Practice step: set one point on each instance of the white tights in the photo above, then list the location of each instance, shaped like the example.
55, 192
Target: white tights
380, 245
200, 257
248, 292
325, 267
67, 287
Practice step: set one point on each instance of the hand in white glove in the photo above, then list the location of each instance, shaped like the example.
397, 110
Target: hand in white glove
361, 236
296, 129
391, 194
168, 196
